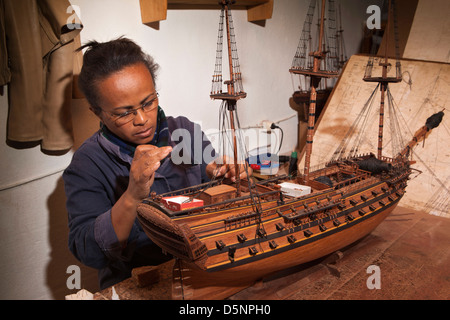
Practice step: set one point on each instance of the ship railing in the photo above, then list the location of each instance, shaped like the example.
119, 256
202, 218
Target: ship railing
234, 202
397, 163
321, 169
342, 186
348, 158
349, 181
357, 174
325, 171
346, 166
387, 159
342, 166
190, 190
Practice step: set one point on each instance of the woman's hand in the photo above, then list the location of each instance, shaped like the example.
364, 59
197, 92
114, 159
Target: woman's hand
224, 166
145, 162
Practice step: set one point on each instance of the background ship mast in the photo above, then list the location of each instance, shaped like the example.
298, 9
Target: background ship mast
235, 90
388, 112
384, 80
315, 74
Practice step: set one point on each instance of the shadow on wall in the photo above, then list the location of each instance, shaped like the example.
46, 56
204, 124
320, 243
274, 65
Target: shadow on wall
85, 123
60, 256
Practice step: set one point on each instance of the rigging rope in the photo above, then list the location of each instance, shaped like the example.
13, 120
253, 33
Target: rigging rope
217, 77
224, 123
397, 138
355, 132
332, 39
302, 55
236, 76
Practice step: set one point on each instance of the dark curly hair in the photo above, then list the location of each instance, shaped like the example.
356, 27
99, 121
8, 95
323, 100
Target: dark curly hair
104, 59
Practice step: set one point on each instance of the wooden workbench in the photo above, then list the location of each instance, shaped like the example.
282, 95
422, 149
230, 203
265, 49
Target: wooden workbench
409, 247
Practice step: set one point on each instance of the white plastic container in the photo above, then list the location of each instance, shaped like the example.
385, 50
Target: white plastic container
294, 190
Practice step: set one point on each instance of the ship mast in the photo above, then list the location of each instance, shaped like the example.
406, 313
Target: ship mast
316, 75
384, 80
234, 85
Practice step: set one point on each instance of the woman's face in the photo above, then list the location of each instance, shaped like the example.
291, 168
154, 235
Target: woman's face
128, 90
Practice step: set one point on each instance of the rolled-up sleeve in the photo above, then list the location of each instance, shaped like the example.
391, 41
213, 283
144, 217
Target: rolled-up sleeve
106, 238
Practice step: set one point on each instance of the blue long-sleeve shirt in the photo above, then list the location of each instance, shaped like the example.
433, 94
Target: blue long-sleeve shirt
98, 176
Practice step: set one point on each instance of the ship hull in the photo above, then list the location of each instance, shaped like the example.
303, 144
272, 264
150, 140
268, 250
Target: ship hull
305, 97
190, 282
227, 247
302, 100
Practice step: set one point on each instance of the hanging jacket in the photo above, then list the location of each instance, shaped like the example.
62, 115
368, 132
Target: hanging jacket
38, 36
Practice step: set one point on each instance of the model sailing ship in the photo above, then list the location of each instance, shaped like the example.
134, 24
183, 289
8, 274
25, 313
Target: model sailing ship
333, 57
226, 235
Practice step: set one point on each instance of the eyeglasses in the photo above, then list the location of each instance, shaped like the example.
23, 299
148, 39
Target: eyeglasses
128, 116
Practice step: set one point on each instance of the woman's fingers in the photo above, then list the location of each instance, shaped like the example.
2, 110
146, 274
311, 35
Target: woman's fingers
145, 162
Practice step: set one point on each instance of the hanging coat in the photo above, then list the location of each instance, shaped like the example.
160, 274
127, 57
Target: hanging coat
38, 67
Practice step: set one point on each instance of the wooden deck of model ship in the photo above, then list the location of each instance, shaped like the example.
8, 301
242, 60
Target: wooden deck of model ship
240, 232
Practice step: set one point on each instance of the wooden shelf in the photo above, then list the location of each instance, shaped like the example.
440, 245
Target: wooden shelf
153, 11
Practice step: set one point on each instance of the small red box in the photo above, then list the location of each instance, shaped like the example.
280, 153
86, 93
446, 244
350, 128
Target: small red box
178, 203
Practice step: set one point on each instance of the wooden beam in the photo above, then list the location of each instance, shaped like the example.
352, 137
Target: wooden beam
211, 4
260, 12
153, 11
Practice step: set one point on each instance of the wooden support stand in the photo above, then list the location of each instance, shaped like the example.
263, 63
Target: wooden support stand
145, 276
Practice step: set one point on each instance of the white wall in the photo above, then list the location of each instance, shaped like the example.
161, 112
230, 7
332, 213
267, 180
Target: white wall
33, 221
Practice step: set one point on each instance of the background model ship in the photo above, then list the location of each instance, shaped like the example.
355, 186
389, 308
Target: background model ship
226, 235
330, 38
